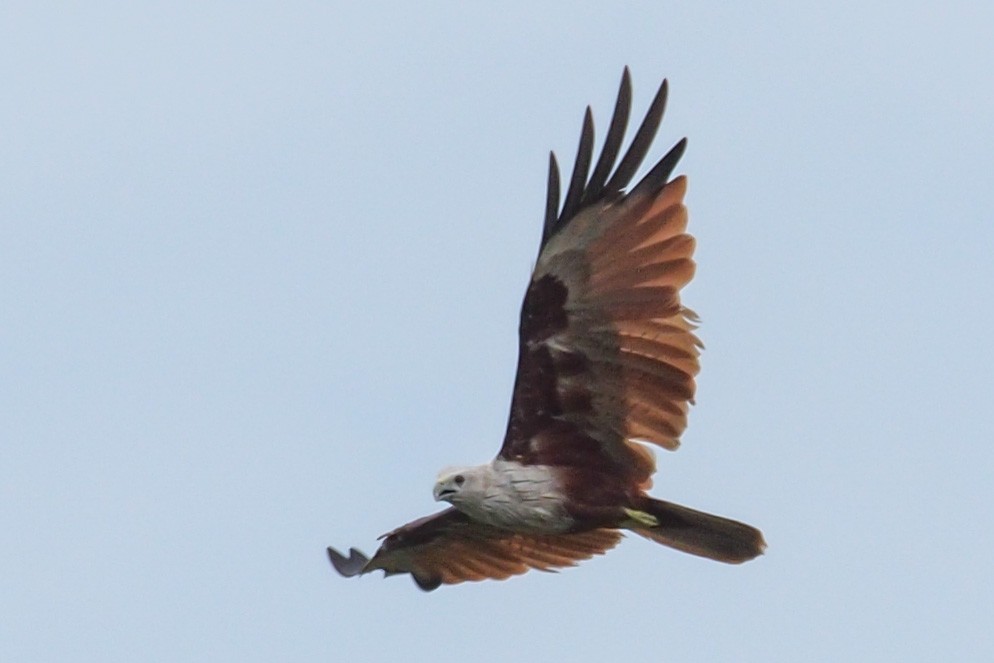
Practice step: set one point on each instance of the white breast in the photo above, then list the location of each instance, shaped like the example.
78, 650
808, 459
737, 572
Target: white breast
521, 497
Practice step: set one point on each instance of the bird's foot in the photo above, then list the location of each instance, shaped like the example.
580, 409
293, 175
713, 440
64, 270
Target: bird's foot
641, 518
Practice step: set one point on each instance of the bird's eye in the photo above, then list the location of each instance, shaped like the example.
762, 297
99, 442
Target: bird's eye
460, 479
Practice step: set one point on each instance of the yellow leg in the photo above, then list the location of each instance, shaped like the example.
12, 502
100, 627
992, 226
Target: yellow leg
641, 518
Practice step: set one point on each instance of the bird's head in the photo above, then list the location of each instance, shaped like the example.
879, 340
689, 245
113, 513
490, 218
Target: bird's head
456, 484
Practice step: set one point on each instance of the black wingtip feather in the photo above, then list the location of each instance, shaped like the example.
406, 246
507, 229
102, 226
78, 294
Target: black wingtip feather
612, 142
584, 155
551, 199
427, 583
602, 185
641, 143
350, 566
657, 178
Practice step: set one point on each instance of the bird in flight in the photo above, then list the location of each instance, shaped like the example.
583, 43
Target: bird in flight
606, 364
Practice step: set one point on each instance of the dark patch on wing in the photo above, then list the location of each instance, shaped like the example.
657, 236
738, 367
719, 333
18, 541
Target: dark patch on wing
543, 313
537, 405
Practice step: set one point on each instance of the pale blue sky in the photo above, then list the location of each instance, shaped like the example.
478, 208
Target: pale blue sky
262, 270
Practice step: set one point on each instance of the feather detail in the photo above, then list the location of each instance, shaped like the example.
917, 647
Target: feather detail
450, 548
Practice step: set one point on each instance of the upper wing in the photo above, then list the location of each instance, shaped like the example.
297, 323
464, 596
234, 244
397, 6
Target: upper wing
448, 548
607, 352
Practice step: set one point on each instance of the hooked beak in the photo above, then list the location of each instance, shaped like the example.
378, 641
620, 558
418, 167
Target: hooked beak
441, 492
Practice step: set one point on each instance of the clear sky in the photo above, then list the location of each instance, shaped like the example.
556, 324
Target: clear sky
261, 274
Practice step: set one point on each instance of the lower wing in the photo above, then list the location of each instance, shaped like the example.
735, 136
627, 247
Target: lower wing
448, 548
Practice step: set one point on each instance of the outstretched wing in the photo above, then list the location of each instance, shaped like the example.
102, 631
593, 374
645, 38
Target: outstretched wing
607, 352
449, 548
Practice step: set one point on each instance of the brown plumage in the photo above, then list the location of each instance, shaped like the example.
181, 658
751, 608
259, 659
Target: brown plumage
607, 360
448, 548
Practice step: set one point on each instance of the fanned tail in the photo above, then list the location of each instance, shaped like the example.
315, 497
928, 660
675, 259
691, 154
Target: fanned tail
700, 533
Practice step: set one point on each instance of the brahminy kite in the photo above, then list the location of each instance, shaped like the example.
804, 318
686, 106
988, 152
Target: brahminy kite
606, 363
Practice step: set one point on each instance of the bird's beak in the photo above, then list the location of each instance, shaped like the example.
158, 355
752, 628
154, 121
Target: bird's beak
441, 492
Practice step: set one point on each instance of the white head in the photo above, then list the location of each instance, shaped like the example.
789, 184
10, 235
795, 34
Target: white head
457, 485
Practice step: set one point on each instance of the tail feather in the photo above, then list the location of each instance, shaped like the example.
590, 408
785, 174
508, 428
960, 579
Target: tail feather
700, 533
